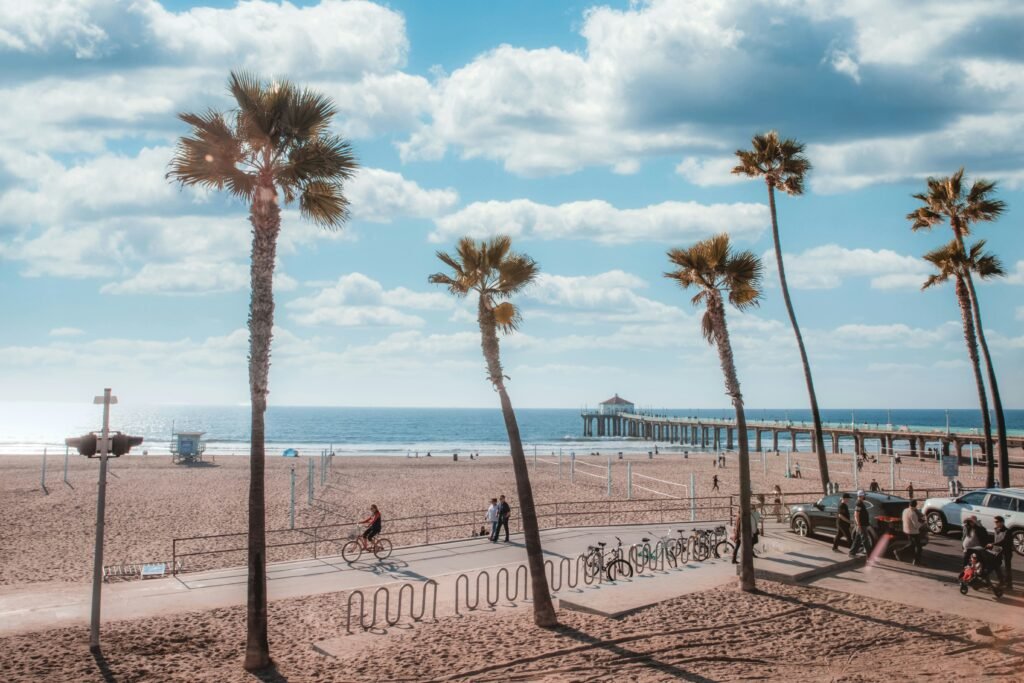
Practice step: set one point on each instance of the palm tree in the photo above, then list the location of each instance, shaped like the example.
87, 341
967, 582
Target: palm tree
495, 273
946, 200
274, 144
951, 262
783, 165
713, 268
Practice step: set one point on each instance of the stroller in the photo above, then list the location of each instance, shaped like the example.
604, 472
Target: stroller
976, 573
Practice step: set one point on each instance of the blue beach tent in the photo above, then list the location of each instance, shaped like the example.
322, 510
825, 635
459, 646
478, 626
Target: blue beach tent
290, 453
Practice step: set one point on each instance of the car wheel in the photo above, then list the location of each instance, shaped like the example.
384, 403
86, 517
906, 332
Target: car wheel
801, 527
937, 522
1018, 541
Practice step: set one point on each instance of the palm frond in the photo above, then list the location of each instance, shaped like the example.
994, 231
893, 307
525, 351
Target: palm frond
507, 317
707, 327
515, 272
209, 157
456, 285
328, 158
308, 115
324, 203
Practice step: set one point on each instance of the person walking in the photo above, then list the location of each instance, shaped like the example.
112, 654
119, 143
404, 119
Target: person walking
861, 522
504, 512
714, 482
913, 527
974, 538
796, 472
873, 486
910, 490
842, 523
777, 503
755, 524
492, 518
1002, 540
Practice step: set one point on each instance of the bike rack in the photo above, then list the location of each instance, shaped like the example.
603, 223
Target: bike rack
385, 619
484, 576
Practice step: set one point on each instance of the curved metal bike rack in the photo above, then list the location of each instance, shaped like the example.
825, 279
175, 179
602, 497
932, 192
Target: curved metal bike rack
510, 583
382, 617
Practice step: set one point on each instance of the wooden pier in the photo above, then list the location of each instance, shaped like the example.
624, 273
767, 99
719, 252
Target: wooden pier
720, 434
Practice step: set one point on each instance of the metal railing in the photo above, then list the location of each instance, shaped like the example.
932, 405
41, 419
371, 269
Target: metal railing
326, 539
384, 619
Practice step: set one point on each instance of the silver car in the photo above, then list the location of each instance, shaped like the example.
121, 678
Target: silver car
945, 514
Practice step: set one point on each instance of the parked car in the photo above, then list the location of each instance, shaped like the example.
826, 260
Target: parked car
884, 515
947, 514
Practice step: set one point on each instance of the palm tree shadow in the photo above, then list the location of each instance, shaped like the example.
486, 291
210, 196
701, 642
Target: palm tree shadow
103, 666
647, 660
270, 675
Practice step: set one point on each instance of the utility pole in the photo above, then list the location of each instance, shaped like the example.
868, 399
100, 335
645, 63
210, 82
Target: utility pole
101, 504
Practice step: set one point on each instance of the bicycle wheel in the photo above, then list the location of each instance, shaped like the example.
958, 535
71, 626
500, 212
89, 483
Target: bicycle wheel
723, 549
617, 569
351, 551
592, 567
382, 549
701, 551
683, 551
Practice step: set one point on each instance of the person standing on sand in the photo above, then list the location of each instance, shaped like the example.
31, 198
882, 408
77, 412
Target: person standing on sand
797, 473
714, 482
492, 518
777, 503
910, 490
504, 512
842, 523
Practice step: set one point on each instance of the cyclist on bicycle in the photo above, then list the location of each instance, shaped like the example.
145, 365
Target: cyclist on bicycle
373, 529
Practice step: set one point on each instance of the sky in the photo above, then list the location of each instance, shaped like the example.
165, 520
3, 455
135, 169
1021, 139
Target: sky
597, 136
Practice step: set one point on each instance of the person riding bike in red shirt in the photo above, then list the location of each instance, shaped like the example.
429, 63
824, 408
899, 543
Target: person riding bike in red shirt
373, 529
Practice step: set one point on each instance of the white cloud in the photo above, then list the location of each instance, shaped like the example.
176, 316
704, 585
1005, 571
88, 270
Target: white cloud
73, 25
826, 266
988, 141
601, 222
1016, 275
883, 336
709, 171
192, 277
66, 332
1020, 313
357, 300
378, 195
609, 296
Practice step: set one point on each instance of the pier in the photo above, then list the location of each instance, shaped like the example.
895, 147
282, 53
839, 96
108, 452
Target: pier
721, 434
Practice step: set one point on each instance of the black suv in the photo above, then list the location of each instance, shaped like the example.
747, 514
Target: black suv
884, 515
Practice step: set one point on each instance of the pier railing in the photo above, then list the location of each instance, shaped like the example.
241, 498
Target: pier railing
215, 551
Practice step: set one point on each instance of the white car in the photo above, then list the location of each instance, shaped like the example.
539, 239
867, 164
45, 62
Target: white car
944, 514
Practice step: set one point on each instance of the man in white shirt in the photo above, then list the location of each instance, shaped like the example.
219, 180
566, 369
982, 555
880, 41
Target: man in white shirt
913, 527
492, 517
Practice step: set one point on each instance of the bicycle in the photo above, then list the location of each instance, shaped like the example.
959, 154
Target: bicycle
378, 545
597, 563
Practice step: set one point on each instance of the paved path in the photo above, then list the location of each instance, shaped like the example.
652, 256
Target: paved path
44, 606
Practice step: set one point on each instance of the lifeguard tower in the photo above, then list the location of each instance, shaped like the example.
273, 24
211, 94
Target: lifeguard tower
187, 447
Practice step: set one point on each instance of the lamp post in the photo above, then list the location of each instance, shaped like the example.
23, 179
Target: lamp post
101, 503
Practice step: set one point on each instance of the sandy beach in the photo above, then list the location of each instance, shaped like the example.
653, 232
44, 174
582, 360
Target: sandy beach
783, 633
48, 536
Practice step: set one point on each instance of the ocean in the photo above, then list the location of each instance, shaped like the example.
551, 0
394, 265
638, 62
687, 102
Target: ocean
28, 428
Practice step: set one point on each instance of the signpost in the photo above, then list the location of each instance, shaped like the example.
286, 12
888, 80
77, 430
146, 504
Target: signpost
950, 466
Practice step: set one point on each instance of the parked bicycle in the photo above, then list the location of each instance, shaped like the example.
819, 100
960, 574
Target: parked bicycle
379, 546
608, 563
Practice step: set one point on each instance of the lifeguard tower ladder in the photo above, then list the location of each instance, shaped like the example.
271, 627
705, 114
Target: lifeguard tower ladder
187, 447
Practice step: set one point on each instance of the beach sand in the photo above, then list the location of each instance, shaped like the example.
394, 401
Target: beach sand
787, 633
784, 633
150, 501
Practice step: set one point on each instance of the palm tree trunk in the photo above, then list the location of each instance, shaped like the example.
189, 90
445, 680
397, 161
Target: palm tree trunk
997, 403
963, 299
543, 609
732, 388
265, 216
819, 439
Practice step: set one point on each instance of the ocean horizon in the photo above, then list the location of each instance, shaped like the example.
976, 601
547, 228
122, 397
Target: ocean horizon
29, 428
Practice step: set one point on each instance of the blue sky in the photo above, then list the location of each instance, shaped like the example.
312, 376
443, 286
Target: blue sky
597, 135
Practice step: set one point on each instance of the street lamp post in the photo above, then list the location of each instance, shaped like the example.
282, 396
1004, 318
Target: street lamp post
101, 504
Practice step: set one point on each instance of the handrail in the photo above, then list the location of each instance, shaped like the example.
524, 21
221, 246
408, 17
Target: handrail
462, 523
386, 591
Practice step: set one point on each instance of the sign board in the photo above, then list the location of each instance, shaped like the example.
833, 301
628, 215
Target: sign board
950, 466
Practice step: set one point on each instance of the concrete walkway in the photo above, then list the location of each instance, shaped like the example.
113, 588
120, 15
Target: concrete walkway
44, 606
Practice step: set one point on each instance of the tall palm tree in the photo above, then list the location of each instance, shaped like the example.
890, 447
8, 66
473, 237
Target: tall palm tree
273, 145
714, 269
946, 199
492, 270
951, 262
783, 165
